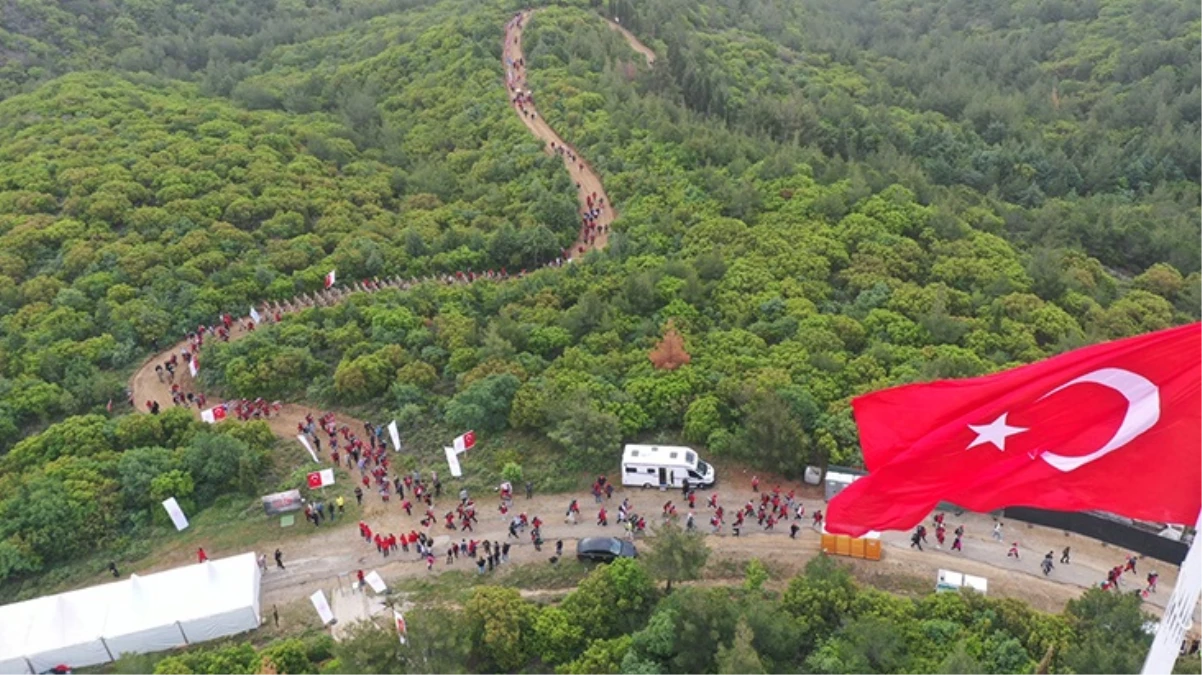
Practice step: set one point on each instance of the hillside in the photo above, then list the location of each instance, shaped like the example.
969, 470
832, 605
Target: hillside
810, 201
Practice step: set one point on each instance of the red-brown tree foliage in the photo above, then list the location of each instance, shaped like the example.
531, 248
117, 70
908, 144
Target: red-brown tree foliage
670, 354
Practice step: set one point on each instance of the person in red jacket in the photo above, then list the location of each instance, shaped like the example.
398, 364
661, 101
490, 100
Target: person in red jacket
201, 556
602, 517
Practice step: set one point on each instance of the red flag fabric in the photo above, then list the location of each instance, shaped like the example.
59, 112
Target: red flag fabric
330, 278
469, 440
1112, 427
314, 480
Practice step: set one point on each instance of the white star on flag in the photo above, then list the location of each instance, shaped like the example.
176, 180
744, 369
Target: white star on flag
995, 432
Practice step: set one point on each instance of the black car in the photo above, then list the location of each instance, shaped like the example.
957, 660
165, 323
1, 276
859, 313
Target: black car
604, 549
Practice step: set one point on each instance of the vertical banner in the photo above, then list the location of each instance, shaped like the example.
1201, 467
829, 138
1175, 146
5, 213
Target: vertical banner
401, 630
177, 514
305, 442
254, 316
453, 462
376, 582
193, 366
323, 607
395, 434
330, 278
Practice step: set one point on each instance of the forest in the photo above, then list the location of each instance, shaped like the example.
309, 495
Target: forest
817, 200
619, 620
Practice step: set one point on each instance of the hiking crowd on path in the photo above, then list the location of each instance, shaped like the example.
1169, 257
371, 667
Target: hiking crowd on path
521, 97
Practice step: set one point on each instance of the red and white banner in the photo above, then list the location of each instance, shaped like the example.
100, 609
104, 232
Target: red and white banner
213, 415
193, 366
465, 442
401, 629
320, 479
330, 279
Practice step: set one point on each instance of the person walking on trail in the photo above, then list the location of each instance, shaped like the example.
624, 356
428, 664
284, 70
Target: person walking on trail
1047, 563
279, 559
997, 532
362, 582
113, 569
201, 556
262, 560
916, 541
602, 518
529, 490
1013, 552
956, 545
1130, 567
755, 483
818, 520
688, 522
1064, 556
1152, 578
359, 495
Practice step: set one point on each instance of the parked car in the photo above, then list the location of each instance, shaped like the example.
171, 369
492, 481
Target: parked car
604, 549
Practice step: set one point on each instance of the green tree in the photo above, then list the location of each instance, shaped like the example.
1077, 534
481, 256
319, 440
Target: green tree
485, 404
501, 627
585, 432
612, 600
602, 657
676, 555
740, 656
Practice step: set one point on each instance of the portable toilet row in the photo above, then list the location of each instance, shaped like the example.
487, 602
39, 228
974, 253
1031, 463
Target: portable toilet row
867, 547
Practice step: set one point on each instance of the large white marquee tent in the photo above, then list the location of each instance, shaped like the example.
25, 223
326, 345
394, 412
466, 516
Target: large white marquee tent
160, 611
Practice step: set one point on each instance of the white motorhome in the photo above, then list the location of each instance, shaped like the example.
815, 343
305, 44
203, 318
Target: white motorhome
664, 466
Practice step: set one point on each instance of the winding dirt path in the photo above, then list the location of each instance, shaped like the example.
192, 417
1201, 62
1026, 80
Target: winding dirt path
317, 560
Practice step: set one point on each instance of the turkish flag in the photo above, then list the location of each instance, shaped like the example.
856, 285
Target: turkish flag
314, 480
219, 413
1112, 427
330, 278
469, 440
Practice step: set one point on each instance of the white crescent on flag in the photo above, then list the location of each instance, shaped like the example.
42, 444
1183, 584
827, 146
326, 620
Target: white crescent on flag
1143, 411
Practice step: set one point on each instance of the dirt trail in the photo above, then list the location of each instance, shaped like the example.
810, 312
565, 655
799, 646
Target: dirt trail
634, 42
335, 550
580, 170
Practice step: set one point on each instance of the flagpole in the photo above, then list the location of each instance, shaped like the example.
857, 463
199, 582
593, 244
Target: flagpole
1179, 613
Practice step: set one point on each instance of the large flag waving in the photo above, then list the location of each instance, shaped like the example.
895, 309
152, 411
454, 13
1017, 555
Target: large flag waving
330, 279
1113, 427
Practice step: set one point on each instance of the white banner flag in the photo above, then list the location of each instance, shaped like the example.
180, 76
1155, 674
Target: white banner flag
331, 279
254, 316
213, 415
305, 442
193, 366
376, 582
395, 434
453, 462
323, 607
177, 514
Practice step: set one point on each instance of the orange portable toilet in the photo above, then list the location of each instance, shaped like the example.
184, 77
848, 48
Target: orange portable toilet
843, 544
872, 549
857, 548
828, 543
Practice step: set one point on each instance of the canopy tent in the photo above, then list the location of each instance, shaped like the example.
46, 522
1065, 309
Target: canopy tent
143, 624
13, 627
225, 601
160, 611
69, 628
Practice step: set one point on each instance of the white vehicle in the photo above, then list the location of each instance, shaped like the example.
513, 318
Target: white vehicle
664, 466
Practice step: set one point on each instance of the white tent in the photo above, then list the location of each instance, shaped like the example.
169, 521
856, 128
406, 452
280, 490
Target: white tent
227, 602
144, 624
69, 628
14, 626
94, 625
